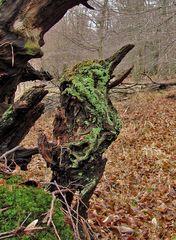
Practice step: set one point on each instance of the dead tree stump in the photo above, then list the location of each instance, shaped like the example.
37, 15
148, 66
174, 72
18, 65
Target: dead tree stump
85, 125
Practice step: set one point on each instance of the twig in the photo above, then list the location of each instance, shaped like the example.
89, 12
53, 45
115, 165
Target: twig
54, 84
85, 230
77, 218
3, 209
55, 230
129, 86
19, 231
5, 169
144, 74
5, 43
75, 205
92, 233
69, 212
13, 57
67, 189
12, 233
51, 209
9, 152
25, 219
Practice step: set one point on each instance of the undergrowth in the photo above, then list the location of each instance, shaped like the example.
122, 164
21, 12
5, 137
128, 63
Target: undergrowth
20, 203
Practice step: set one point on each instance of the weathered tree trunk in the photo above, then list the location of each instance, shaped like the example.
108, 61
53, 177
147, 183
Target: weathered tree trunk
23, 24
84, 126
20, 117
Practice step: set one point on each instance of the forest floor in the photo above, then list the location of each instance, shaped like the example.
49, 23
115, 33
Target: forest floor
136, 198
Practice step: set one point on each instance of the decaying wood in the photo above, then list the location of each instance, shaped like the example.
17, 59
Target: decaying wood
84, 126
18, 156
23, 24
20, 117
159, 85
125, 90
118, 56
30, 74
120, 79
4, 156
23, 156
86, 123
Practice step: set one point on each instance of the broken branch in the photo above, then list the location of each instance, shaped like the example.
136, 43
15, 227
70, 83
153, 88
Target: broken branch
120, 79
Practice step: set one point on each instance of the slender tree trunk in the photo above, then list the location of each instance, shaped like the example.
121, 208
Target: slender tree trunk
102, 28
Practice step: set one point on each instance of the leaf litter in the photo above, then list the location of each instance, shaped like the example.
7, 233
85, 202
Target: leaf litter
136, 198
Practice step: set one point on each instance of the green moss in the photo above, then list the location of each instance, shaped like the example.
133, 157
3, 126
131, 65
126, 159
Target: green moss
88, 83
7, 118
21, 202
1, 2
90, 142
1, 175
32, 48
91, 184
8, 114
14, 180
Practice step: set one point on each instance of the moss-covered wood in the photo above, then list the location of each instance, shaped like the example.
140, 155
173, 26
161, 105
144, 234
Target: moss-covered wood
16, 122
86, 122
84, 126
23, 24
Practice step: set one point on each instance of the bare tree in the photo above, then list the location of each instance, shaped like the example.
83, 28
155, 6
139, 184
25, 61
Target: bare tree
148, 24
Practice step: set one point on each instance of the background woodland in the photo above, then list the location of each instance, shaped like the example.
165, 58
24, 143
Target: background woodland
86, 34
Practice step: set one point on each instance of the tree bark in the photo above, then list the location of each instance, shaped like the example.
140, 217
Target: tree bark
23, 24
20, 117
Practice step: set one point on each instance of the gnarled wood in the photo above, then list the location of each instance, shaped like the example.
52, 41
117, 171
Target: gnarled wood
23, 24
120, 79
118, 56
31, 74
23, 156
19, 118
84, 126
